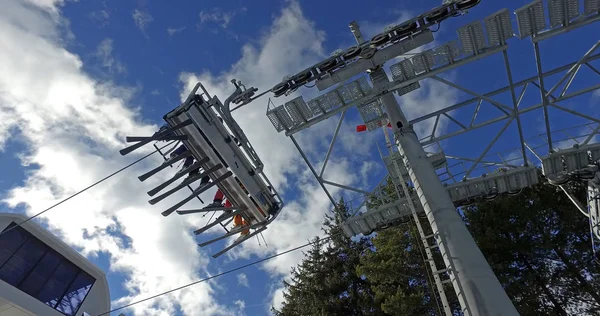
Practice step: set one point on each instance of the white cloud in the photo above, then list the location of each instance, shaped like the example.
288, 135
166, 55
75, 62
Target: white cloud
74, 138
240, 304
104, 53
243, 280
173, 30
142, 19
291, 44
72, 127
102, 16
218, 16
372, 28
155, 92
49, 5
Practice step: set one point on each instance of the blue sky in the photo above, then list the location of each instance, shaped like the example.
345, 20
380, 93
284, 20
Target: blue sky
76, 77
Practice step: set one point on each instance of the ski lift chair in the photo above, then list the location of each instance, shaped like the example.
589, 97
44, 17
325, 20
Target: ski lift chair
220, 147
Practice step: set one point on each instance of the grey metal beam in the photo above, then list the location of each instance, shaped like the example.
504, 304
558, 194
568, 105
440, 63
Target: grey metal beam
591, 118
577, 204
391, 86
498, 119
381, 56
485, 162
498, 91
345, 187
574, 68
594, 132
335, 134
364, 100
592, 68
475, 113
489, 146
564, 29
312, 170
454, 120
502, 107
515, 106
538, 62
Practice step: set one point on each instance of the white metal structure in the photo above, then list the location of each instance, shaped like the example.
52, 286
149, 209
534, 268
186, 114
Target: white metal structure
220, 148
41, 275
477, 288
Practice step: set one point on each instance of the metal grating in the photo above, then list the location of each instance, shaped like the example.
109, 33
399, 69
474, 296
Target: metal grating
408, 89
403, 70
423, 62
499, 27
345, 94
364, 86
315, 107
334, 99
593, 197
471, 38
354, 90
275, 120
557, 9
531, 19
372, 114
446, 53
591, 7
298, 110
284, 117
323, 102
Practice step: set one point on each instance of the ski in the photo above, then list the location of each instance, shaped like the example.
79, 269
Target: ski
133, 139
158, 136
234, 231
217, 221
196, 192
183, 184
196, 165
164, 165
238, 241
207, 209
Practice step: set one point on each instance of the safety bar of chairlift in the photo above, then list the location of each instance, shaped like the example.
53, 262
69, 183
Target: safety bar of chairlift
278, 201
232, 232
207, 210
225, 114
185, 183
158, 136
235, 149
196, 192
239, 241
259, 171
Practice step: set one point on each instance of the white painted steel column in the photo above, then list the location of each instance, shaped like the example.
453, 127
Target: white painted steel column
478, 289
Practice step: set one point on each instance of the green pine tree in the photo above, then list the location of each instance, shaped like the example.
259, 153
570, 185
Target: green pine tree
397, 270
539, 246
325, 282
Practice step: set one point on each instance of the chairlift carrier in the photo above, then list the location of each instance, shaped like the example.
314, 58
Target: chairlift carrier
205, 126
209, 137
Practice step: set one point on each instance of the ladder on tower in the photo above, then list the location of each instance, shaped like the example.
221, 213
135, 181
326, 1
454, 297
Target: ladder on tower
436, 273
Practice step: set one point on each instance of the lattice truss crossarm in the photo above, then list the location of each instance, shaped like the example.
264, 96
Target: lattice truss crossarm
548, 156
476, 41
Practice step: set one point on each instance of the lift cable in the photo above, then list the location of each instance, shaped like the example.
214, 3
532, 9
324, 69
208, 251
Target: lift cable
227, 272
216, 275
87, 188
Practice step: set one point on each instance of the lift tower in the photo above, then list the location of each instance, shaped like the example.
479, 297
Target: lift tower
478, 290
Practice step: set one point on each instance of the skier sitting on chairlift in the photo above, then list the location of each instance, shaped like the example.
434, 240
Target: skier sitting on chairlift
162, 129
238, 220
188, 162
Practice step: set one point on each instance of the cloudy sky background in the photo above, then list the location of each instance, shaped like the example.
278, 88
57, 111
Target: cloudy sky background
76, 77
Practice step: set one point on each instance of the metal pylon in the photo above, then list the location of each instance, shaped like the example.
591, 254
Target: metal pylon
439, 284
